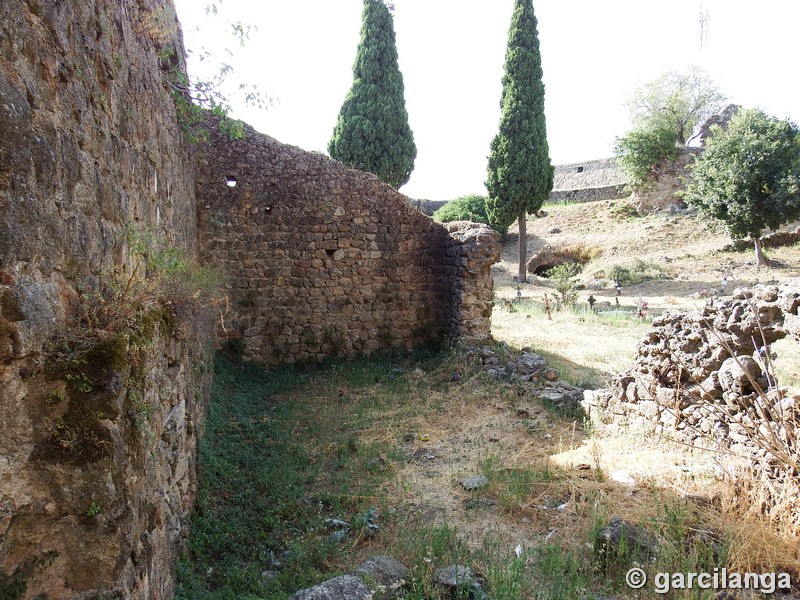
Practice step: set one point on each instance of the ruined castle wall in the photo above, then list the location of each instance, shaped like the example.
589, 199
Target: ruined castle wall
326, 261
588, 194
704, 378
588, 181
601, 172
96, 450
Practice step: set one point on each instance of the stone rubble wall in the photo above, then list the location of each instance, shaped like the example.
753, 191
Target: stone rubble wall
326, 261
89, 145
670, 178
700, 378
470, 250
588, 181
773, 239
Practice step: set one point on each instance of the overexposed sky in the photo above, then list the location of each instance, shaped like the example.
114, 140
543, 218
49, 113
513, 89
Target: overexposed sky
451, 52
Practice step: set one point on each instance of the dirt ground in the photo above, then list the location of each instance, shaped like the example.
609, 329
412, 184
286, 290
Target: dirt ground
687, 248
474, 434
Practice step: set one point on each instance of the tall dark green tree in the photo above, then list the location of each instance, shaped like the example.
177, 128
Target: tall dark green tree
520, 175
372, 132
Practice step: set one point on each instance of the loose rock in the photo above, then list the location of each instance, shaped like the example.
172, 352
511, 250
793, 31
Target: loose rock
621, 540
346, 587
475, 482
461, 577
384, 572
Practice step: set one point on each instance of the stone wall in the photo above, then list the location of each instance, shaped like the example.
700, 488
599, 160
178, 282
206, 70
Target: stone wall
97, 448
701, 377
773, 239
598, 173
590, 194
470, 251
326, 261
587, 181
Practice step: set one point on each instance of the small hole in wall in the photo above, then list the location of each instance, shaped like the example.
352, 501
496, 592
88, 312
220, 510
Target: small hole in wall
231, 181
329, 253
268, 209
579, 170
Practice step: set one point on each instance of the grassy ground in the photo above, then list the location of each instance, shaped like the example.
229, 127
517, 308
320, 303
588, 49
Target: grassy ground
381, 445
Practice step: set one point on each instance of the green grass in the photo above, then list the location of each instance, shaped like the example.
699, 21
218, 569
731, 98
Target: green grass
637, 272
285, 452
622, 318
272, 469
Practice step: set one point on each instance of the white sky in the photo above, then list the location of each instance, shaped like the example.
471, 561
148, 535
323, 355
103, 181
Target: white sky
594, 55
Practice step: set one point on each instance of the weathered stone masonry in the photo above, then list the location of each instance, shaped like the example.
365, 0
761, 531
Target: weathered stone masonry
326, 261
685, 378
97, 478
90, 146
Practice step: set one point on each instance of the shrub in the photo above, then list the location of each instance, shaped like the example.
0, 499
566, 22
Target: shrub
639, 272
640, 152
565, 287
156, 279
465, 208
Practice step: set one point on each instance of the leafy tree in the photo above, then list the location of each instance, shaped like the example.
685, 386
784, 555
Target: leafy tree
520, 175
676, 102
749, 176
212, 85
465, 208
372, 131
641, 151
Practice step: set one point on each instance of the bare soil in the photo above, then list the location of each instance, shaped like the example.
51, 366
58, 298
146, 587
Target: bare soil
687, 248
470, 433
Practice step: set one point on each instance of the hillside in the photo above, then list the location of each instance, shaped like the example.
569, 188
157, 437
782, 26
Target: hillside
682, 248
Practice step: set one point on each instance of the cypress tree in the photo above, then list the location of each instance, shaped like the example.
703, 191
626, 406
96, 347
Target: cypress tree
372, 131
520, 175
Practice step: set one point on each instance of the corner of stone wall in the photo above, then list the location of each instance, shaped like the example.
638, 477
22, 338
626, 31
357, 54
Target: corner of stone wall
471, 250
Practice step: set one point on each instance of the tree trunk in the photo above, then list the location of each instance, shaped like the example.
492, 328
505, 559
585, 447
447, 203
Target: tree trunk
523, 248
760, 260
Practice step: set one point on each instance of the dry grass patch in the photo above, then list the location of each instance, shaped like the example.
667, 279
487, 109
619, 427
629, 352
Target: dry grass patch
386, 442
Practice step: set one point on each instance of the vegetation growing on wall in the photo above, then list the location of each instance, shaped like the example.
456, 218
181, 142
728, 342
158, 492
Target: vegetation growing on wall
640, 152
157, 279
120, 314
